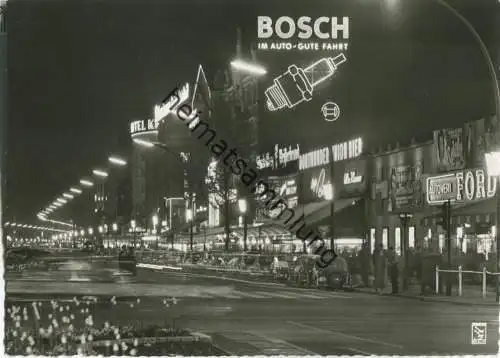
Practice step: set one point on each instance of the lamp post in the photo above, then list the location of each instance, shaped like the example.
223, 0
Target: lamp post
155, 228
242, 205
115, 233
405, 218
189, 219
493, 167
133, 226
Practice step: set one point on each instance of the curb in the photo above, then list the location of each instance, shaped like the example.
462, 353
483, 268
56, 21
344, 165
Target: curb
427, 299
220, 277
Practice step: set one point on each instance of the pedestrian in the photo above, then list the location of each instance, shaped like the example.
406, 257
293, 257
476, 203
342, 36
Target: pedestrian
392, 260
122, 257
380, 264
364, 262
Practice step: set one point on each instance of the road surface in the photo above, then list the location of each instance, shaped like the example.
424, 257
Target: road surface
248, 318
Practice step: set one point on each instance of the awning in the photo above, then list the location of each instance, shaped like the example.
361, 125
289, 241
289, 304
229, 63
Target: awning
471, 213
325, 210
349, 217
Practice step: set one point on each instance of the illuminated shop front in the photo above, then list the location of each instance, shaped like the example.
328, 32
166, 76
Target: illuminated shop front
347, 191
460, 175
278, 168
397, 189
472, 194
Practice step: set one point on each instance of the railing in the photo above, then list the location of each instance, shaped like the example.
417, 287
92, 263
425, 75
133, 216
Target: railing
484, 273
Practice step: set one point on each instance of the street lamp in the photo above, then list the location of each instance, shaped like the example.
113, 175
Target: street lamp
91, 231
100, 173
155, 221
133, 225
189, 219
493, 168
75, 190
86, 183
117, 161
242, 205
68, 196
143, 143
115, 227
251, 68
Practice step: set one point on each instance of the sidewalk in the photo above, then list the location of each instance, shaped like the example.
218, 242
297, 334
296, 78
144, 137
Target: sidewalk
471, 295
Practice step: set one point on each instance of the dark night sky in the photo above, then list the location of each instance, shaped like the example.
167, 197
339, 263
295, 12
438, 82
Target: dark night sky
79, 72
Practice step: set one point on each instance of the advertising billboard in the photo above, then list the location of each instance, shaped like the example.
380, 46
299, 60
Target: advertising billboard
350, 178
448, 149
315, 185
405, 187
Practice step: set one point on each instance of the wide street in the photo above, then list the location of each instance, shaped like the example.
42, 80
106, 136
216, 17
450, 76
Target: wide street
248, 318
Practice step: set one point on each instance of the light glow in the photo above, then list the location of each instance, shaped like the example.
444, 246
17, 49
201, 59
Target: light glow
248, 67
69, 196
242, 205
492, 160
86, 182
117, 161
100, 173
75, 190
143, 143
62, 201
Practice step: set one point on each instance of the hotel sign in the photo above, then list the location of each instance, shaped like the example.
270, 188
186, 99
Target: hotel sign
144, 126
462, 186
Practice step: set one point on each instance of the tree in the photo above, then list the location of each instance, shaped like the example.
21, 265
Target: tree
220, 184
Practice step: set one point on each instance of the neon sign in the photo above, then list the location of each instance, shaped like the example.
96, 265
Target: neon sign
296, 85
306, 29
321, 187
280, 158
143, 126
315, 158
462, 186
351, 177
347, 150
172, 103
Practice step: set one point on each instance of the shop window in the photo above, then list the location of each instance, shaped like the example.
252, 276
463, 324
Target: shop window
373, 233
411, 237
385, 238
441, 243
397, 240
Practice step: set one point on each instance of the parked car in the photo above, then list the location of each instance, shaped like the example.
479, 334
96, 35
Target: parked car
334, 275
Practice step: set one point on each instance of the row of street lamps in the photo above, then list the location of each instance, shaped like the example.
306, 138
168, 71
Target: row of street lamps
77, 190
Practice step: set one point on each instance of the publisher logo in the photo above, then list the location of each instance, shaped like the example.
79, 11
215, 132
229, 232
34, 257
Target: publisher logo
478, 332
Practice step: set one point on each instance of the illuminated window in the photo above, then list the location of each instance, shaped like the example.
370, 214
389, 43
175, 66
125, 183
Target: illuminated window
411, 237
397, 240
441, 242
373, 232
385, 238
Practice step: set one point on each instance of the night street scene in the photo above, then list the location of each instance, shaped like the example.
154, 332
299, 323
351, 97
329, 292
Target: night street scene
250, 178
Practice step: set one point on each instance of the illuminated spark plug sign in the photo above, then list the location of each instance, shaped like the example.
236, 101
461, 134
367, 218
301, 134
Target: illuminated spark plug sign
296, 85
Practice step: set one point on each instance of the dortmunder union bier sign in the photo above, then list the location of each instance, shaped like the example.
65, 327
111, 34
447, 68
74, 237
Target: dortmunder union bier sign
462, 186
342, 151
